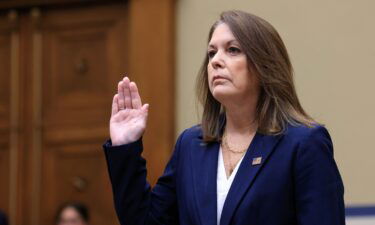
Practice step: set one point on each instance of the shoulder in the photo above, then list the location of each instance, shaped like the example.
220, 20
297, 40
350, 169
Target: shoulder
194, 132
302, 135
186, 138
310, 145
309, 141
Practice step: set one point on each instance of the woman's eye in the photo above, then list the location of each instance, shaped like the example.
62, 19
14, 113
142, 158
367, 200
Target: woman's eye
234, 50
211, 54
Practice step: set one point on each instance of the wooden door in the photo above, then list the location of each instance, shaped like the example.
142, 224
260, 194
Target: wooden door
59, 70
10, 129
5, 108
80, 54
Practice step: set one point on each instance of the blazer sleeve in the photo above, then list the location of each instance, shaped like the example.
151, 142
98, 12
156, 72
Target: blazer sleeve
135, 202
318, 184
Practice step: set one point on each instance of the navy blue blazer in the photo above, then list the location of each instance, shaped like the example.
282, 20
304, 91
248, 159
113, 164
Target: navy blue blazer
296, 183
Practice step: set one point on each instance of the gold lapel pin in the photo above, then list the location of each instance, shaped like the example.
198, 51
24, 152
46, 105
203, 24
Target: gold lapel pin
257, 161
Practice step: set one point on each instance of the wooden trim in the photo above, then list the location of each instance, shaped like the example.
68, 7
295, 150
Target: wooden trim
14, 117
36, 160
18, 4
146, 17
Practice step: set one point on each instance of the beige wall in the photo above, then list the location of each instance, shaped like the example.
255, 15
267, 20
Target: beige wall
332, 47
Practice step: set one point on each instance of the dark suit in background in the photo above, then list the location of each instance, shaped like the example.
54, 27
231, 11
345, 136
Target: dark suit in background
3, 219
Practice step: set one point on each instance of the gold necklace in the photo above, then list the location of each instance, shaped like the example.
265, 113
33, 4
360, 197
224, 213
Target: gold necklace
226, 145
228, 162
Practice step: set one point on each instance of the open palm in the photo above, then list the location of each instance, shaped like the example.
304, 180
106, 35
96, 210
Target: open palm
129, 116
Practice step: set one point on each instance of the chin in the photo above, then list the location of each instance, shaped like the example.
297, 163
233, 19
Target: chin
221, 93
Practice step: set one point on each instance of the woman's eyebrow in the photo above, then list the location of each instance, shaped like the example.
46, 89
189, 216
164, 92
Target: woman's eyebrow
232, 41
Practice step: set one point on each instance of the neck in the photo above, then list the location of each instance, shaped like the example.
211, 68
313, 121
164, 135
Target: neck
241, 118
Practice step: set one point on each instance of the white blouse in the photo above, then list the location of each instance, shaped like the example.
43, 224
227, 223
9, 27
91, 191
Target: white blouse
223, 183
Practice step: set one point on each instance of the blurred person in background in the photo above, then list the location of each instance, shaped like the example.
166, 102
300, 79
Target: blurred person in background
257, 158
72, 214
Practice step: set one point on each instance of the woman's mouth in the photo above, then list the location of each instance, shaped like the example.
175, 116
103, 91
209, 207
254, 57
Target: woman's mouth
219, 78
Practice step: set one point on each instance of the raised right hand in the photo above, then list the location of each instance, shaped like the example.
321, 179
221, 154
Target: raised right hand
129, 116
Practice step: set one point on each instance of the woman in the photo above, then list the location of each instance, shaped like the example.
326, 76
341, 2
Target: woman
72, 214
256, 158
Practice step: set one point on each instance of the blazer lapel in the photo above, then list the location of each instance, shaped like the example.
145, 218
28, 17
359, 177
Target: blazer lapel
204, 159
259, 150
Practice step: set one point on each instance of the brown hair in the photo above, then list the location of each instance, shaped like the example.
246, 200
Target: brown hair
268, 59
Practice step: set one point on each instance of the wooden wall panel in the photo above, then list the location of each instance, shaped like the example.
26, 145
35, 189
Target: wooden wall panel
5, 47
6, 4
83, 57
60, 66
152, 67
78, 172
5, 52
4, 174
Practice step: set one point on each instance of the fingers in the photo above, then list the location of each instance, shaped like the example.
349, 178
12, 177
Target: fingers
128, 96
126, 92
115, 105
135, 98
120, 96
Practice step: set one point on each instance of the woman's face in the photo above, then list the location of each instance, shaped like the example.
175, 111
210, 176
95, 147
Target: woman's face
228, 75
70, 216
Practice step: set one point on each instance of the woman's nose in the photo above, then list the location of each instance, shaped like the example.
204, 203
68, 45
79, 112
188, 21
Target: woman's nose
217, 60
